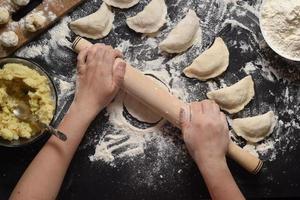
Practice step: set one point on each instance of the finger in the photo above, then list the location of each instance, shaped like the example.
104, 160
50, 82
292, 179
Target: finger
215, 107
223, 119
118, 53
184, 117
91, 55
107, 62
112, 55
206, 106
95, 54
118, 74
81, 58
81, 61
195, 111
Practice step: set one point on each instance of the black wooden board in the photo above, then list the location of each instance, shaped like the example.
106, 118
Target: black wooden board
97, 180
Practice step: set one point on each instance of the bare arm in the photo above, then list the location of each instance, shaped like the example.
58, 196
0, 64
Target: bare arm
97, 84
207, 139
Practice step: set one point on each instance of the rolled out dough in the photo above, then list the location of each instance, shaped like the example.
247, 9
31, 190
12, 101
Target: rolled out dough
140, 111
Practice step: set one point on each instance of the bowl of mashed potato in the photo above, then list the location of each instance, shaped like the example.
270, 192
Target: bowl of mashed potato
22, 80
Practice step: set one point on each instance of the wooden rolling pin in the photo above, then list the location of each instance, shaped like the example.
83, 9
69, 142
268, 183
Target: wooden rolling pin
149, 93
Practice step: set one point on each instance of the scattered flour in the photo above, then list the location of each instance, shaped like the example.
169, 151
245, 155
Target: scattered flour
58, 37
249, 68
121, 140
266, 150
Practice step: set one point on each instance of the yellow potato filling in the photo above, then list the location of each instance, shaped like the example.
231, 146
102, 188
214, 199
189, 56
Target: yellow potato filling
20, 83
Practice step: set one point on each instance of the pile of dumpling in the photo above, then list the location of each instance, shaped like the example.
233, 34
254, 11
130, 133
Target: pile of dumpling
210, 64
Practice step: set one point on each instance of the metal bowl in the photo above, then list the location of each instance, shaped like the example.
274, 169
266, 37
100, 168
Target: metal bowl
23, 141
267, 39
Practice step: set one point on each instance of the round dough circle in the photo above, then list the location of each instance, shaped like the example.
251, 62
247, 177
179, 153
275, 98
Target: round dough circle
21, 2
35, 22
4, 16
141, 112
9, 39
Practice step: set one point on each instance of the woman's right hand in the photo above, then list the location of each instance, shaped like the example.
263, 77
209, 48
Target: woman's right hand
206, 133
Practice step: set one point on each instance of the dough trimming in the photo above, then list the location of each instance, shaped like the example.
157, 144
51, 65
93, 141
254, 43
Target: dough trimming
9, 39
4, 16
35, 22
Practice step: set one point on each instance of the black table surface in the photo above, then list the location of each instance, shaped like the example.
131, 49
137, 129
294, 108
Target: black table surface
279, 177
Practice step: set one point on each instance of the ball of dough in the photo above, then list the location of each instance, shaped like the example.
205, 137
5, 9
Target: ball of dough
9, 39
21, 2
4, 16
35, 22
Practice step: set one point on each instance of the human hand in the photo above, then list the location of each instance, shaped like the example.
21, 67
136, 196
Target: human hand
97, 80
206, 133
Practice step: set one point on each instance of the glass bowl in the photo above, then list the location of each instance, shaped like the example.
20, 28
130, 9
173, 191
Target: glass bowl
23, 141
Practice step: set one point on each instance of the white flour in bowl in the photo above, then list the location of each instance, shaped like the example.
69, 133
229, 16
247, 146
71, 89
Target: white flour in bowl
280, 23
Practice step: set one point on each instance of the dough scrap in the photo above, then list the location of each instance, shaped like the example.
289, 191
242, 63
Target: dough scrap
4, 15
21, 2
151, 19
9, 39
184, 35
255, 129
211, 63
141, 112
121, 3
35, 22
94, 26
234, 98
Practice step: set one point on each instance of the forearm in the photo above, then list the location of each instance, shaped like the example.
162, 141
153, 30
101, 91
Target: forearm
44, 176
219, 180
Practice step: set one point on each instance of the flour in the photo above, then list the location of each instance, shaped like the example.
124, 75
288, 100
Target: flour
156, 154
249, 68
129, 140
280, 22
58, 37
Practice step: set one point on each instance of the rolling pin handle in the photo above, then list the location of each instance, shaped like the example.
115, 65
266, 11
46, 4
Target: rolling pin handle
169, 106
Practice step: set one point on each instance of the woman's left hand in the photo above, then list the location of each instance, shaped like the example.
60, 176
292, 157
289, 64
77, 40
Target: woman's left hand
98, 81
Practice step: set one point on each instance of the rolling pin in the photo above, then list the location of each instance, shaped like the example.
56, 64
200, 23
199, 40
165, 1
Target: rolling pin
145, 90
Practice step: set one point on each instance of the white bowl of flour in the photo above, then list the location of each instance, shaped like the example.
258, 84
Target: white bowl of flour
280, 26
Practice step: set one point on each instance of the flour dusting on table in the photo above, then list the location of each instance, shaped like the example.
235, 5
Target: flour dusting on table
259, 68
117, 141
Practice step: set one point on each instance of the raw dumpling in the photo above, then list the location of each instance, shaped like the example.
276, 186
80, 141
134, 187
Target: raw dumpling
121, 3
255, 129
35, 22
184, 35
151, 19
211, 63
234, 98
4, 15
96, 25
